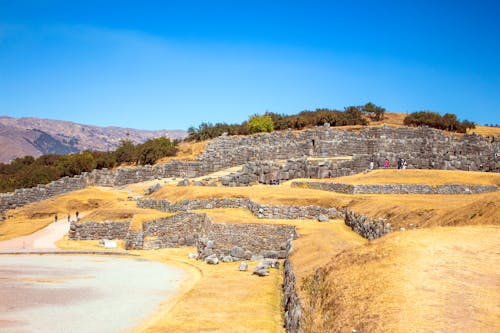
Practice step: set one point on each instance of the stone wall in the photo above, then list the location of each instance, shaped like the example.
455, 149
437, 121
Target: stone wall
367, 227
291, 303
397, 188
259, 210
179, 230
242, 241
23, 196
267, 172
421, 147
98, 230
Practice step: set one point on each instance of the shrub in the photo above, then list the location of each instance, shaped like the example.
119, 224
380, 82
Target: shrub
258, 124
448, 122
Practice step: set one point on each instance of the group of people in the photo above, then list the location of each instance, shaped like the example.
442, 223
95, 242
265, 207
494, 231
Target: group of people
69, 216
402, 164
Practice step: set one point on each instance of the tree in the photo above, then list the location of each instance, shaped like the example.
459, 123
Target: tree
126, 152
375, 112
258, 124
152, 150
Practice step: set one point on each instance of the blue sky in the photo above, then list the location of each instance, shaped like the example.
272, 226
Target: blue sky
173, 64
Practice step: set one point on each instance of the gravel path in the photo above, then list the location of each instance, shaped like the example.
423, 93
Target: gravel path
43, 239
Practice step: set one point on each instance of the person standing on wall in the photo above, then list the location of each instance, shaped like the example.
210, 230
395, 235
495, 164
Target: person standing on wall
386, 163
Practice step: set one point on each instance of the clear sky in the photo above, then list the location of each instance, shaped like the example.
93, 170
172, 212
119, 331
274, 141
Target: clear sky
173, 64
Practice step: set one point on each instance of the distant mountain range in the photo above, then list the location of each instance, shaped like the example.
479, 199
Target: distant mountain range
33, 136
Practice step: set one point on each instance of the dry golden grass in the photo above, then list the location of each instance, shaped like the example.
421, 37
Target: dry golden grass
433, 280
186, 151
390, 119
417, 176
94, 204
485, 131
401, 210
225, 300
35, 216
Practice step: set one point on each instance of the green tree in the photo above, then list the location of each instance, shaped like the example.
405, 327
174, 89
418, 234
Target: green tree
152, 150
374, 111
126, 152
258, 124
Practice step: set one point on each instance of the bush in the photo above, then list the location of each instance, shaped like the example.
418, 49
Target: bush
448, 122
258, 124
375, 112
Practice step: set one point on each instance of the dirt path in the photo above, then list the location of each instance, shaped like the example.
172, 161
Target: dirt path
43, 239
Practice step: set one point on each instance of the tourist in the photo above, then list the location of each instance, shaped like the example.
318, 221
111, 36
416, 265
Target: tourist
76, 215
371, 165
55, 218
69, 217
386, 163
404, 164
400, 164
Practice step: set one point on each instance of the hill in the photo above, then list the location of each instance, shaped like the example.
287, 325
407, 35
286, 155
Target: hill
33, 136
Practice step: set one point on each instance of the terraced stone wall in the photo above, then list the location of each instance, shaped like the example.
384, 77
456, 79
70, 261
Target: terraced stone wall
397, 188
242, 241
421, 147
179, 230
98, 230
259, 210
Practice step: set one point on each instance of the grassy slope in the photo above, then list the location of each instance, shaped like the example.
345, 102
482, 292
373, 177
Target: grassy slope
432, 280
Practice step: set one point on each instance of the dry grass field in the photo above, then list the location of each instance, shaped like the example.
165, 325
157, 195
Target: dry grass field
416, 176
432, 280
401, 209
93, 203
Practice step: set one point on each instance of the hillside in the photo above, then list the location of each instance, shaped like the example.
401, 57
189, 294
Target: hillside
35, 137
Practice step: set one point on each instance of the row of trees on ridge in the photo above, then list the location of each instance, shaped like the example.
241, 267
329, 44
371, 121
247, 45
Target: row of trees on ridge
28, 171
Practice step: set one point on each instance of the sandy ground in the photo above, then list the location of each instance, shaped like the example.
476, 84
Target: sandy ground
41, 240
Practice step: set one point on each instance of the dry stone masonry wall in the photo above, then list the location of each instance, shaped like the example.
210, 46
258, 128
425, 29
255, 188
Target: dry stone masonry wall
259, 210
242, 241
396, 188
98, 230
367, 227
421, 147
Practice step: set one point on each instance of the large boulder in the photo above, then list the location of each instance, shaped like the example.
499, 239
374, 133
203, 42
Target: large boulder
227, 259
261, 271
238, 252
152, 189
270, 254
322, 218
212, 259
184, 182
